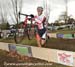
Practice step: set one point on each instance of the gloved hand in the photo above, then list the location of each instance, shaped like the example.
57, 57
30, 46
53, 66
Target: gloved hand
32, 16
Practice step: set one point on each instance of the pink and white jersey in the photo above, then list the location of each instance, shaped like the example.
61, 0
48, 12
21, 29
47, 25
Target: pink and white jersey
40, 21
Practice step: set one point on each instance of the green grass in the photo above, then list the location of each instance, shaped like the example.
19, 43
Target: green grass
25, 41
7, 40
31, 42
54, 43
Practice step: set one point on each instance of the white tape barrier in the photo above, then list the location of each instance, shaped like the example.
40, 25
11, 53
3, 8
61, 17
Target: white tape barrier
52, 35
41, 53
4, 46
65, 58
51, 55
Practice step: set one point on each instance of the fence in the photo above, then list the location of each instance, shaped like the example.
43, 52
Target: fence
51, 55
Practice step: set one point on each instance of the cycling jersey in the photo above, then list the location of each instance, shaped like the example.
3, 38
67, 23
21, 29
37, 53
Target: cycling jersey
40, 21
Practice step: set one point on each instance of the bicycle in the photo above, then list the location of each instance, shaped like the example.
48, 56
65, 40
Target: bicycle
27, 30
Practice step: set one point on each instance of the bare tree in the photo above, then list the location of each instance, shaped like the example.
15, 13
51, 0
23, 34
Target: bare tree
10, 10
66, 12
17, 7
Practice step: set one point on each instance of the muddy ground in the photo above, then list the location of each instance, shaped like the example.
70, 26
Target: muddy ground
5, 59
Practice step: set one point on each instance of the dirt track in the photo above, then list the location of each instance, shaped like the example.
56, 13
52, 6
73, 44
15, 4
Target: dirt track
62, 44
5, 59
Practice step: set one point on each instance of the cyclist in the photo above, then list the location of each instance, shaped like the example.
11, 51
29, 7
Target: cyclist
40, 26
40, 22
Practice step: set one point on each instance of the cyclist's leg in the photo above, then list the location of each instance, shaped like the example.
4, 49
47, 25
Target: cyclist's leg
38, 39
43, 36
43, 39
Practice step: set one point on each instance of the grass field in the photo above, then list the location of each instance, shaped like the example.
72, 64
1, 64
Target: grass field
64, 31
54, 43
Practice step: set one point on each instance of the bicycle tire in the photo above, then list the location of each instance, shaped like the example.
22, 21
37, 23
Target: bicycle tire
18, 37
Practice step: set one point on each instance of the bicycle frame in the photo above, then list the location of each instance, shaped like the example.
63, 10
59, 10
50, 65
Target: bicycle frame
27, 29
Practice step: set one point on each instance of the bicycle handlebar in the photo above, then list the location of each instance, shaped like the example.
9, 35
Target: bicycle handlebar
31, 15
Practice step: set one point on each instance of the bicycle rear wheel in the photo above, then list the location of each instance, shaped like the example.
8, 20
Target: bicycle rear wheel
29, 33
18, 36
